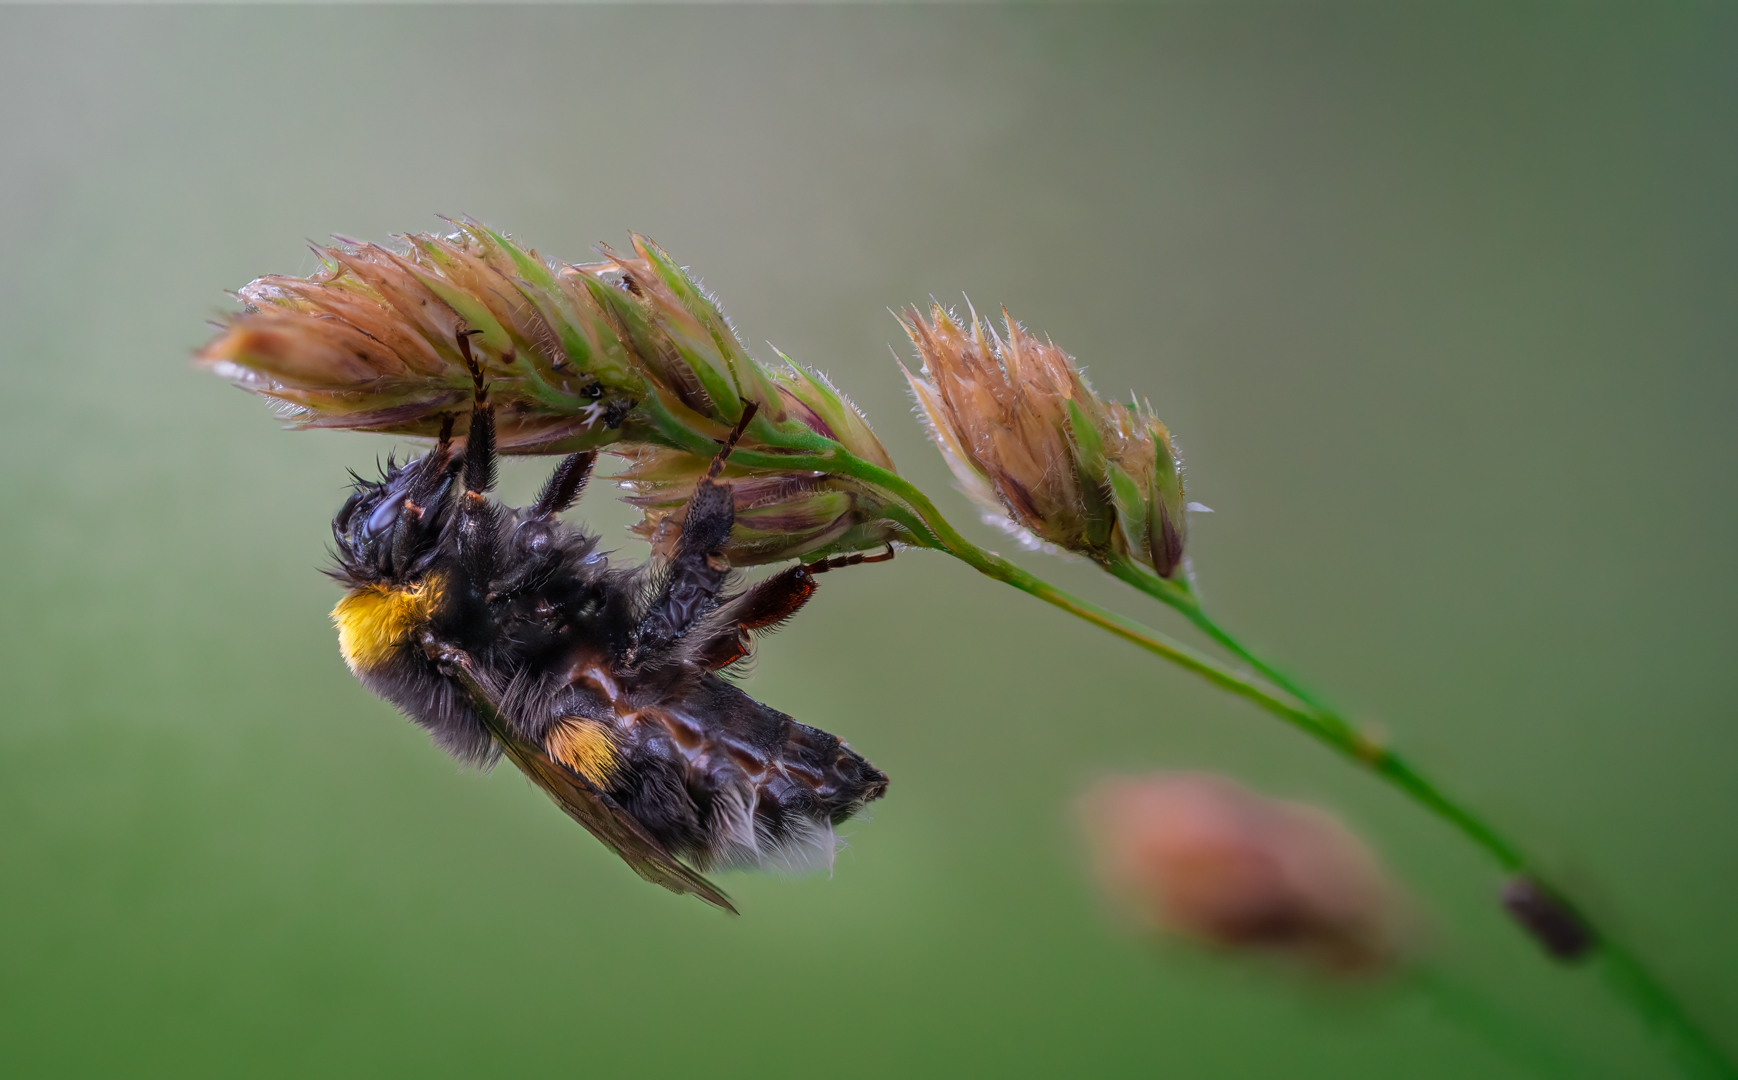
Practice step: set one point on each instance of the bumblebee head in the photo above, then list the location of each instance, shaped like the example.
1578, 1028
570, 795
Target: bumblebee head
388, 529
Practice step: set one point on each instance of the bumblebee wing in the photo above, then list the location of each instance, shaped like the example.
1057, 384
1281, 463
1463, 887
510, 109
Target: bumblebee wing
606, 820
601, 815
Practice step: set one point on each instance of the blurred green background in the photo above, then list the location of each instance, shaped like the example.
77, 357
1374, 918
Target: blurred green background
1440, 305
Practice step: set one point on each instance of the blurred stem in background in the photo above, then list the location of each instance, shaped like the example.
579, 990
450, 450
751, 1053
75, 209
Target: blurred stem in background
1625, 973
1030, 442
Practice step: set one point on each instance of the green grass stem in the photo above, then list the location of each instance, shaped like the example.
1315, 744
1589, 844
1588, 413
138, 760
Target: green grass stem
1263, 684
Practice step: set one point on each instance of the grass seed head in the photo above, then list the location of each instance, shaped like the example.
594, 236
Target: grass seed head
369, 342
626, 353
676, 338
1025, 436
576, 357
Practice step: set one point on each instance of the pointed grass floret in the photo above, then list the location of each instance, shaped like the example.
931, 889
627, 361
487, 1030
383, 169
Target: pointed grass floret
677, 336
1027, 438
576, 356
372, 342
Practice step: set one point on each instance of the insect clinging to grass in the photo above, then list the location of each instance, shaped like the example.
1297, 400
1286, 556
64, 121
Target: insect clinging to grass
503, 631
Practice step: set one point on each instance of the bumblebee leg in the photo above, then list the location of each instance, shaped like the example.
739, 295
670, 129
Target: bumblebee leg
697, 571
749, 408
431, 473
480, 439
764, 607
855, 558
564, 485
479, 519
776, 599
443, 451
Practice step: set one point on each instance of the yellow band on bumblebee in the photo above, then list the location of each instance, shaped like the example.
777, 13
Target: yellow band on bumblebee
584, 746
375, 619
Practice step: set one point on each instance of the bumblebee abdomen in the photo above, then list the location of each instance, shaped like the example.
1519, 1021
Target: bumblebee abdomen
841, 780
585, 746
726, 781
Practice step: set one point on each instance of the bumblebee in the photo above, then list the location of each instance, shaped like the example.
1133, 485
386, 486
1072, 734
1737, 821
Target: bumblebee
503, 631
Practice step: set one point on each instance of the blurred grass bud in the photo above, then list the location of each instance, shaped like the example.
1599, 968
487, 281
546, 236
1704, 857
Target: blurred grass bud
1204, 857
1550, 919
1027, 439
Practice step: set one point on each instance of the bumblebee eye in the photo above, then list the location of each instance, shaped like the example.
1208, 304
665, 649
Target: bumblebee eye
347, 512
384, 515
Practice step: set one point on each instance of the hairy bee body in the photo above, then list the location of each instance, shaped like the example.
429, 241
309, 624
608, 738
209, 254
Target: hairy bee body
503, 630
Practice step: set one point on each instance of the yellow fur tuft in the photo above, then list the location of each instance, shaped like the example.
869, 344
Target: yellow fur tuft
372, 621
583, 746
